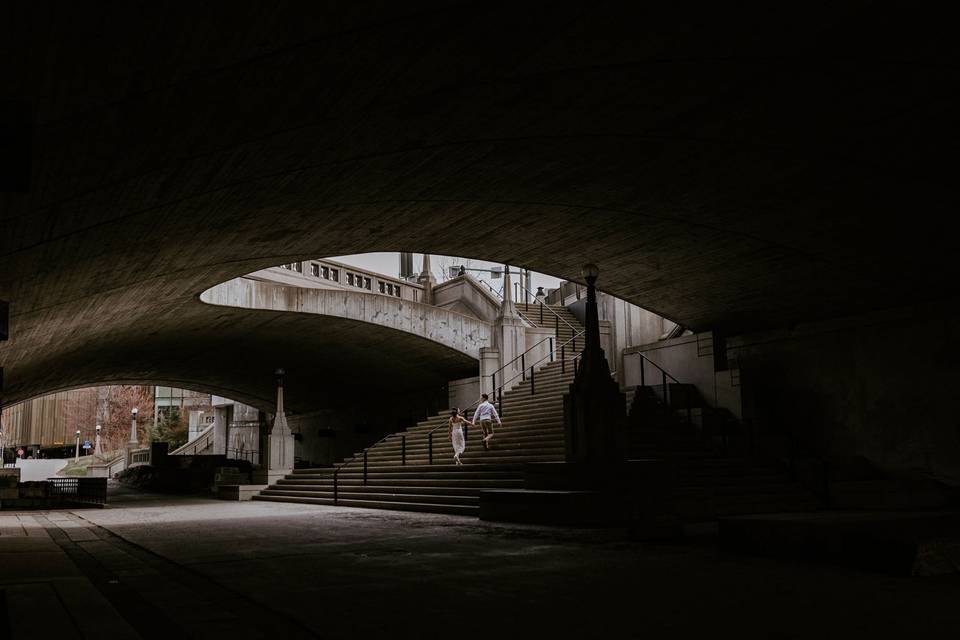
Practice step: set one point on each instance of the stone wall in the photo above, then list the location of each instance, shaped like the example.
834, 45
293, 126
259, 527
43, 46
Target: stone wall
465, 295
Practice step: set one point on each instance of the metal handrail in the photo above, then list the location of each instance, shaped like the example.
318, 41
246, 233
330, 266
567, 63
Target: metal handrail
559, 318
500, 294
664, 374
522, 356
498, 391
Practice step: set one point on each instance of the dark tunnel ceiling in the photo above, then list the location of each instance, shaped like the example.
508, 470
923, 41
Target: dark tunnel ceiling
727, 170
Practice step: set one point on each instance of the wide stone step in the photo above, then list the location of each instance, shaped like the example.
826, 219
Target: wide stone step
481, 483
353, 494
470, 464
526, 412
511, 440
421, 489
400, 472
517, 423
463, 510
496, 447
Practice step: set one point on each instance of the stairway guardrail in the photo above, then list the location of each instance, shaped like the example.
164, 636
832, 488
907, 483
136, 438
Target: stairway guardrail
499, 294
523, 356
556, 316
551, 355
664, 375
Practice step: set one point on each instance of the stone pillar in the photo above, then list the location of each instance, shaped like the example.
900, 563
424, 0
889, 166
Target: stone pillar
489, 363
134, 439
279, 455
426, 280
509, 337
594, 410
97, 448
219, 430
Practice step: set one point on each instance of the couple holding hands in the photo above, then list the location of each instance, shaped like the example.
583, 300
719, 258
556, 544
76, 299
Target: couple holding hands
486, 415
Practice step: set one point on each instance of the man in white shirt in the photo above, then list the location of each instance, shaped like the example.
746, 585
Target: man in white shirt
486, 413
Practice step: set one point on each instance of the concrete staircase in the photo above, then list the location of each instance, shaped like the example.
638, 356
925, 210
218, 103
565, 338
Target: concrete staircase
566, 326
711, 485
400, 474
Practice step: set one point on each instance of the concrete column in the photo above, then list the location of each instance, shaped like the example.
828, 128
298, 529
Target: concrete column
134, 440
280, 444
489, 362
219, 430
427, 280
97, 448
509, 337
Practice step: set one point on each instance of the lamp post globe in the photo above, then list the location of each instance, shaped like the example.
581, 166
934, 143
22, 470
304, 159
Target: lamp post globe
133, 428
590, 272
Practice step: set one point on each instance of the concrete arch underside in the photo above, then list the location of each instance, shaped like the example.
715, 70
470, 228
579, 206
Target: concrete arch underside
703, 170
456, 331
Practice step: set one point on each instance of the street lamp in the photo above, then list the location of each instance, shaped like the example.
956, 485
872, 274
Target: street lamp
97, 449
590, 272
133, 428
76, 455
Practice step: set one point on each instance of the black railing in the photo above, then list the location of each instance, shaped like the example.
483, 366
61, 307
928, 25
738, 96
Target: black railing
525, 371
556, 316
79, 490
250, 455
661, 377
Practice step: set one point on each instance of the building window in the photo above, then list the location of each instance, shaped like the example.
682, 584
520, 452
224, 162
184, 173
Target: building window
366, 284
335, 275
383, 287
350, 278
398, 291
284, 266
298, 267
326, 273
390, 289
359, 281
315, 269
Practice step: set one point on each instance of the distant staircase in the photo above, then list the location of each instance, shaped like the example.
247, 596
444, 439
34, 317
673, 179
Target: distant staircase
414, 471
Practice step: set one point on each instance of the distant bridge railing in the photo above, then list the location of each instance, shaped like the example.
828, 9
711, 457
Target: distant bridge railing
138, 457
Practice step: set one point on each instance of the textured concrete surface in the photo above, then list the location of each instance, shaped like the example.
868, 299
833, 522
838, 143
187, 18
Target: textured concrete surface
458, 332
726, 167
211, 567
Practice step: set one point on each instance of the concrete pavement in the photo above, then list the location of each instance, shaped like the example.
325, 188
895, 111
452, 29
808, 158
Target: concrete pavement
207, 569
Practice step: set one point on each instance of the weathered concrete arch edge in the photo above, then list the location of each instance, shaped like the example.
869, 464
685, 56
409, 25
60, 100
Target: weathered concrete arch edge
454, 330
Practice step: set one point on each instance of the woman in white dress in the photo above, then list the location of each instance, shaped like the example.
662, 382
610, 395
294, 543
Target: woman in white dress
455, 428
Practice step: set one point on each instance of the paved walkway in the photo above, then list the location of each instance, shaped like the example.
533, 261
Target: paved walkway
157, 567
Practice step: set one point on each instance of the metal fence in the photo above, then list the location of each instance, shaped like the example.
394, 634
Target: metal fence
82, 490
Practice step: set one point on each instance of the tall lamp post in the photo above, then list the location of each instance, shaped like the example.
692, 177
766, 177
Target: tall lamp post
595, 408
133, 428
97, 449
76, 455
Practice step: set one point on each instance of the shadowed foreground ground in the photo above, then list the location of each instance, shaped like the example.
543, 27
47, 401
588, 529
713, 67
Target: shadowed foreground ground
204, 568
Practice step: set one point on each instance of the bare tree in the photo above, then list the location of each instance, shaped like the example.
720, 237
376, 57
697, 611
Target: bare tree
115, 414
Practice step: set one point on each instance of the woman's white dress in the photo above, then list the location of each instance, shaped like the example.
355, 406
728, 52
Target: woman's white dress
457, 437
